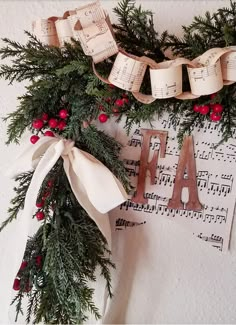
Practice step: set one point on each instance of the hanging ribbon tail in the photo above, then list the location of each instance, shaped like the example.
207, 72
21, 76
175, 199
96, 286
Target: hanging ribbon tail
106, 192
95, 187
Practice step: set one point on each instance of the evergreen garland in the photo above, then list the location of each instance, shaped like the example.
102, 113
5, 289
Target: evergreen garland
63, 255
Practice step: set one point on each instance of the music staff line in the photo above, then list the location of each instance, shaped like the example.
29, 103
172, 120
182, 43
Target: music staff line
215, 240
204, 73
162, 209
204, 184
204, 153
122, 224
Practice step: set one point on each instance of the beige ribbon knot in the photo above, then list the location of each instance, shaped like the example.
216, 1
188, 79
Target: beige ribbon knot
94, 186
69, 144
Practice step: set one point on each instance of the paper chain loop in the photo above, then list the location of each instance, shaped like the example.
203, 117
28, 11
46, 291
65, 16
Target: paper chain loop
90, 25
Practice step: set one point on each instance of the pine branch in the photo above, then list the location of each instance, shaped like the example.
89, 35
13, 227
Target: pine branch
18, 201
216, 30
18, 300
190, 121
136, 32
32, 305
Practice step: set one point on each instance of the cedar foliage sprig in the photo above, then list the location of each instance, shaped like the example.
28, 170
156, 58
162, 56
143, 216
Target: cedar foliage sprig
17, 203
213, 30
136, 33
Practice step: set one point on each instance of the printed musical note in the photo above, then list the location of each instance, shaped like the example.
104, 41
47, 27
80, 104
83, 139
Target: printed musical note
127, 73
46, 32
203, 73
205, 80
166, 81
228, 65
122, 224
215, 240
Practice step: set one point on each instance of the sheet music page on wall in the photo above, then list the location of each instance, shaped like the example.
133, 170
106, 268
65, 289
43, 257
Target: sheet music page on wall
216, 182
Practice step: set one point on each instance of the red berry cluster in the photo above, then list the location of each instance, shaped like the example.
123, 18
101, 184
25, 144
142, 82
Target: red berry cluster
216, 110
53, 123
24, 264
40, 204
17, 285
117, 105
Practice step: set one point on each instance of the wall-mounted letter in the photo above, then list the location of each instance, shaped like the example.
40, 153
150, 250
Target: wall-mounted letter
152, 165
186, 164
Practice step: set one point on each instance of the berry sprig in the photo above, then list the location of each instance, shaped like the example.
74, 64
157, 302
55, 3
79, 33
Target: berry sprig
37, 260
17, 284
55, 123
112, 106
215, 110
40, 204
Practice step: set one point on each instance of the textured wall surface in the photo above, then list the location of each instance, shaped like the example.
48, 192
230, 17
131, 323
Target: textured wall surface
197, 283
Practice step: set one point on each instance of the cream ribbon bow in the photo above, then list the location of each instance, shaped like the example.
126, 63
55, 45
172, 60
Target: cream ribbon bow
95, 187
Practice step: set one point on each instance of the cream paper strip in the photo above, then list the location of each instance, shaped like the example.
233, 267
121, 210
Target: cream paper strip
90, 25
46, 32
127, 72
228, 66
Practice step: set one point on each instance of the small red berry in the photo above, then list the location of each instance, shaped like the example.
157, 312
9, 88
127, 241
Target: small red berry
217, 108
119, 102
125, 100
61, 125
204, 109
124, 95
40, 204
49, 134
103, 118
50, 183
34, 139
108, 100
45, 117
37, 124
53, 123
215, 117
38, 260
116, 111
40, 215
212, 96
111, 86
16, 284
101, 108
23, 265
45, 195
196, 108
63, 113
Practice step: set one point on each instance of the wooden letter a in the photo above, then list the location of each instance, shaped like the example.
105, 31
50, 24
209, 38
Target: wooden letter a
186, 164
152, 165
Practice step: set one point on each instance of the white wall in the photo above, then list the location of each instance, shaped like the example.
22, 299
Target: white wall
203, 281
